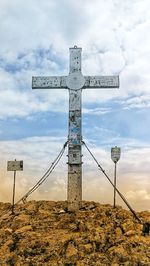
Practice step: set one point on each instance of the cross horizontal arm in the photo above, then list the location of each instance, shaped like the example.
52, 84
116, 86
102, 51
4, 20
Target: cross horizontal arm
101, 82
54, 82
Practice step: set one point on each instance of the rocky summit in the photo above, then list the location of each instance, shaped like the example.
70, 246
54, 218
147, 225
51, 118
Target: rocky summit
45, 233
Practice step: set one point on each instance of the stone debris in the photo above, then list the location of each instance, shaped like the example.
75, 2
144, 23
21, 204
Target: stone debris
44, 233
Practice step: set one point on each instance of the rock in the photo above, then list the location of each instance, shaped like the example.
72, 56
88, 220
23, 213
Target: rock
43, 233
127, 226
130, 233
22, 219
71, 250
88, 248
8, 231
62, 211
119, 253
24, 229
73, 226
118, 232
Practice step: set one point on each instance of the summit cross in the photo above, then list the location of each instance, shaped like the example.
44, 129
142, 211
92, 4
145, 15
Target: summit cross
75, 82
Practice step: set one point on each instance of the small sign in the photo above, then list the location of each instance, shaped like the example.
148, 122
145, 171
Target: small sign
115, 154
15, 166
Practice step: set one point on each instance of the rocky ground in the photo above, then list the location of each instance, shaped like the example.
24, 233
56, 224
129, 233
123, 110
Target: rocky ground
44, 233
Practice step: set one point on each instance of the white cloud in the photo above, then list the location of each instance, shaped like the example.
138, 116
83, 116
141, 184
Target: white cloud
108, 31
96, 111
140, 102
17, 99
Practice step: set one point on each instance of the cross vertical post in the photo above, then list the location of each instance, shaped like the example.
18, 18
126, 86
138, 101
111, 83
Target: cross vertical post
74, 196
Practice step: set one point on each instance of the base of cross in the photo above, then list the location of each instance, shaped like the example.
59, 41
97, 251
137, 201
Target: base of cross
74, 206
74, 191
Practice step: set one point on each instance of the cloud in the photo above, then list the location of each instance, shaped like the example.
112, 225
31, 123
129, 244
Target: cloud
109, 47
17, 98
139, 102
139, 198
96, 111
140, 194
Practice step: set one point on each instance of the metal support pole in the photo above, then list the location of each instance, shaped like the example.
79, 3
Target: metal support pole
13, 201
115, 156
115, 185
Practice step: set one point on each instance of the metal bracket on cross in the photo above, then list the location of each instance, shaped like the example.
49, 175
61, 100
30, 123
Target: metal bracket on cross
75, 82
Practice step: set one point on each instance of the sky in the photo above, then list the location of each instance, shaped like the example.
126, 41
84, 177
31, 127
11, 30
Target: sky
35, 37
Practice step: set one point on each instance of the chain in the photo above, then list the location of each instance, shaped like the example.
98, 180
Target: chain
45, 176
42, 179
122, 197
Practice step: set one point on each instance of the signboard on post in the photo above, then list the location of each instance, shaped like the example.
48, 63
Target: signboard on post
115, 154
15, 166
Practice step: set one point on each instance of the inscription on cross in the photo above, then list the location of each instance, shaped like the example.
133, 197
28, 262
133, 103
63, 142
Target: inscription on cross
75, 82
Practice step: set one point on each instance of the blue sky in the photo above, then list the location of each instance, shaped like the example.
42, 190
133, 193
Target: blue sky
35, 39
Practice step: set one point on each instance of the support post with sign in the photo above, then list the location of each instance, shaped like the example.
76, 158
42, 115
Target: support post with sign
14, 166
115, 156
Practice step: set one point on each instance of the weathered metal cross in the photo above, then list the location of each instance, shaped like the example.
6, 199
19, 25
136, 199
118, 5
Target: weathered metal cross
75, 82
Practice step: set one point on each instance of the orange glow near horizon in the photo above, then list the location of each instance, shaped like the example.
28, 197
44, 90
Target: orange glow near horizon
92, 190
